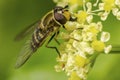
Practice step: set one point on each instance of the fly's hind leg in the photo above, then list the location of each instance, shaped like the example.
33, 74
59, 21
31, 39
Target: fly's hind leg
53, 47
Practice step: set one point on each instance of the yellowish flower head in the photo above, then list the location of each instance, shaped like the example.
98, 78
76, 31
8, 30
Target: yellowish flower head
98, 45
80, 61
108, 4
81, 16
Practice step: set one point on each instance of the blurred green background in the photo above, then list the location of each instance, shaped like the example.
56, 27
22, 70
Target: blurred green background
15, 15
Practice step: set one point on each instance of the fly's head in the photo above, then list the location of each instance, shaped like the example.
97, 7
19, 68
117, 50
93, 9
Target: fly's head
61, 15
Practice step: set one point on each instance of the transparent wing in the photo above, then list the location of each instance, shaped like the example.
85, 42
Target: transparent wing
26, 51
27, 31
24, 55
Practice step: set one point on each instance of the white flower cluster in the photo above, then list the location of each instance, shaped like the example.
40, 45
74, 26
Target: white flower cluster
111, 5
81, 43
84, 38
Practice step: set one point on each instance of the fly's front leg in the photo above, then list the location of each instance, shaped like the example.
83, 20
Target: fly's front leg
52, 47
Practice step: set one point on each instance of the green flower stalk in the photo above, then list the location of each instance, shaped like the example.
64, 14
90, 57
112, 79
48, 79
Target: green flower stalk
84, 39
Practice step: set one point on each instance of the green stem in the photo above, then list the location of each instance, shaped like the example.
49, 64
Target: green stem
115, 49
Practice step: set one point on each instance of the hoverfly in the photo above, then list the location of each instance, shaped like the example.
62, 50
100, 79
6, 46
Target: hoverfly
48, 25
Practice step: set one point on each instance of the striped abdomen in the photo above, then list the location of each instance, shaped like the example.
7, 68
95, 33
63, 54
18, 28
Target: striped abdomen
38, 38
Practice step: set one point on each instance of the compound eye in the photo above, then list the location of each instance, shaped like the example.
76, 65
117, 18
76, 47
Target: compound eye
60, 18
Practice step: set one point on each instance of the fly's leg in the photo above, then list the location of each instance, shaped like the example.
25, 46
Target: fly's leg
57, 41
52, 47
56, 38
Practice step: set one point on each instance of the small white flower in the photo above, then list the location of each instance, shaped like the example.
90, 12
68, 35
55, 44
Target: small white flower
81, 73
69, 66
90, 36
80, 48
115, 11
71, 26
89, 50
89, 18
81, 53
117, 2
69, 48
63, 58
101, 6
89, 6
86, 48
77, 36
104, 15
77, 46
58, 68
118, 15
99, 26
105, 36
108, 49
70, 60
84, 45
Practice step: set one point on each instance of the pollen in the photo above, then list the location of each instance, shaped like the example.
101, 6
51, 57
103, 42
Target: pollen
81, 16
79, 61
98, 45
74, 76
93, 30
108, 4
